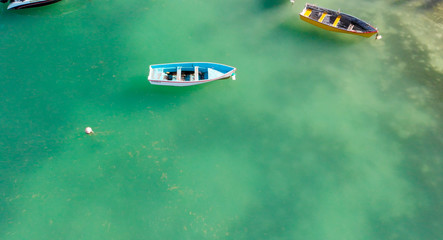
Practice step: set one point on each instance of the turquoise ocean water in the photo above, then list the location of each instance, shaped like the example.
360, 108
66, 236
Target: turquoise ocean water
322, 135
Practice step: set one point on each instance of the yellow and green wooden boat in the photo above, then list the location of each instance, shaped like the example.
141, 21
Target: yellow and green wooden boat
336, 21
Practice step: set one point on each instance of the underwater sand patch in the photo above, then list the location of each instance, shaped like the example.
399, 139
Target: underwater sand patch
424, 20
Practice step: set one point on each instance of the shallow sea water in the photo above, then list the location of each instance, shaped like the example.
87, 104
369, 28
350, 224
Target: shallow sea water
322, 135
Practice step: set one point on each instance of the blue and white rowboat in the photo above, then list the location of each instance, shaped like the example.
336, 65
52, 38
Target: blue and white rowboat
188, 73
19, 4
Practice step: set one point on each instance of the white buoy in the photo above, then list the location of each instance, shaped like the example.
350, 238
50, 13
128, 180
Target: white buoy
378, 37
233, 76
89, 131
292, 1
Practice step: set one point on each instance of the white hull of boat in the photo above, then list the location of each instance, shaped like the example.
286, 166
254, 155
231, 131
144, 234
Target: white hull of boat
182, 83
30, 3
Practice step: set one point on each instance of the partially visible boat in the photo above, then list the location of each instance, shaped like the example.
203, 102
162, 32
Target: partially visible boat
19, 4
188, 73
336, 21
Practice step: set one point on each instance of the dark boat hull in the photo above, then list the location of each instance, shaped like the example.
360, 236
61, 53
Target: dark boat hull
336, 21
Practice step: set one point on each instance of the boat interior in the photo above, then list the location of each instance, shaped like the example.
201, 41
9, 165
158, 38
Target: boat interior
181, 73
335, 19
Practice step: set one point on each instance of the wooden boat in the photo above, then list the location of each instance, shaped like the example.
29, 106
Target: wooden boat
336, 21
188, 73
19, 4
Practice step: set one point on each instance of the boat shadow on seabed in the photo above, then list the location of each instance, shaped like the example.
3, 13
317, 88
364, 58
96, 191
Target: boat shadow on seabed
136, 88
304, 30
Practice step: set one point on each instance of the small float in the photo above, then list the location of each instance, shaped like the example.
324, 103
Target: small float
88, 130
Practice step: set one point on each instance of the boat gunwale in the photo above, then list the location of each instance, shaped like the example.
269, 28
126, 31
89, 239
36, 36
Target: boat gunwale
192, 63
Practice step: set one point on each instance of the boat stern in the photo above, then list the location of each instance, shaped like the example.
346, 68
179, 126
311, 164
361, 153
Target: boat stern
306, 12
150, 73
